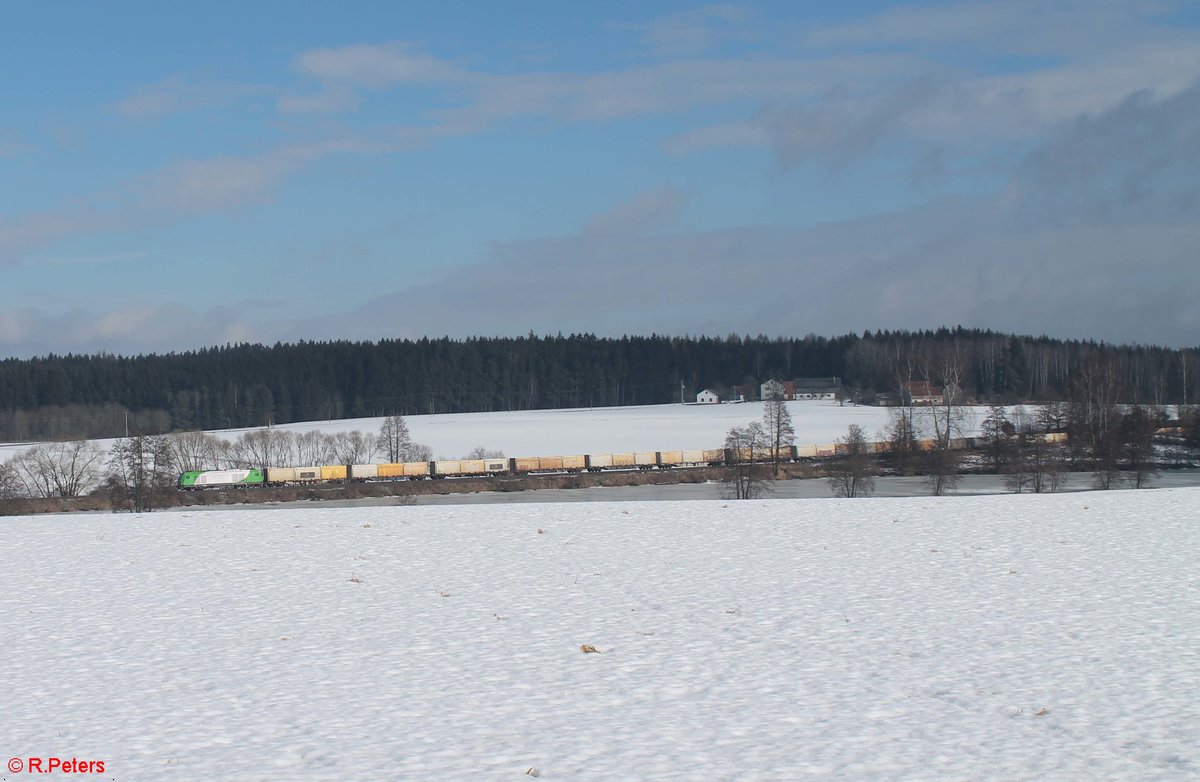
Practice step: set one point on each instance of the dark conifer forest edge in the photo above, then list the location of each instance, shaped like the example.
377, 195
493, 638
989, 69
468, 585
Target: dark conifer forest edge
242, 385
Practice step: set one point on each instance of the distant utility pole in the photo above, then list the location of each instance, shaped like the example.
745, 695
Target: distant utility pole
681, 393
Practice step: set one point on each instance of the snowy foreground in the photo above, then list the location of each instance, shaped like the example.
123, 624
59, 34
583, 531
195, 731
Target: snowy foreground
1003, 637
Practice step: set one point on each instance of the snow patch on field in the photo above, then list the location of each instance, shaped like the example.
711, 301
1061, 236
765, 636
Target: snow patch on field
1005, 637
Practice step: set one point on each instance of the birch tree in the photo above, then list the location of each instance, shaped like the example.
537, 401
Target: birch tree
777, 423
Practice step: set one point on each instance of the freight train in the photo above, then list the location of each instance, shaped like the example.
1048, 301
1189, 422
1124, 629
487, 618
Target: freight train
450, 468
530, 465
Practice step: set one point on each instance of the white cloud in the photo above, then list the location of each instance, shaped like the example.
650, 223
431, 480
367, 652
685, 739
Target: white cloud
1033, 27
198, 186
375, 65
328, 100
694, 30
178, 191
1069, 252
636, 215
12, 148
178, 95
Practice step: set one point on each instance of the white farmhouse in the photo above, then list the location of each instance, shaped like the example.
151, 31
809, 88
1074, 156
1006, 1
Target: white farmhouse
707, 397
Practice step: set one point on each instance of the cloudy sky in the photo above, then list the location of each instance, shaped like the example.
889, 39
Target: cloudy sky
175, 177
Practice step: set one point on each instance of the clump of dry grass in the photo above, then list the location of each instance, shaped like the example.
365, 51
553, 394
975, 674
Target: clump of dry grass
589, 649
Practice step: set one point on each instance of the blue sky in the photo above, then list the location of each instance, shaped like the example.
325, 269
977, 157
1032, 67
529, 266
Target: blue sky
172, 178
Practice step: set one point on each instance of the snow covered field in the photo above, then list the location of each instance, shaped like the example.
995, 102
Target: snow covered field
1003, 637
599, 429
592, 430
605, 429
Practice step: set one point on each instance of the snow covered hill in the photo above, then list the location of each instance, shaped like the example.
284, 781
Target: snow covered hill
600, 429
1004, 637
607, 429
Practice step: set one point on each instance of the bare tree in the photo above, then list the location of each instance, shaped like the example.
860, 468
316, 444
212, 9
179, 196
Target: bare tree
66, 469
852, 474
484, 453
777, 422
1051, 417
353, 447
900, 435
10, 488
1137, 430
313, 447
1047, 464
948, 418
142, 472
949, 365
1018, 469
1093, 415
942, 468
748, 477
195, 450
261, 448
394, 441
418, 452
998, 435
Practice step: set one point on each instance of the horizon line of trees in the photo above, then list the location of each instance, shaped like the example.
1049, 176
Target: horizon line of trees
246, 385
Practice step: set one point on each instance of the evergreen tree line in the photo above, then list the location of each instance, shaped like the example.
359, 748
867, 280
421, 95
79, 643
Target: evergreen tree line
73, 396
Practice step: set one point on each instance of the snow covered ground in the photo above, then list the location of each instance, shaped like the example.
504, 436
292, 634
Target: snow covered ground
1001, 637
605, 429
609, 429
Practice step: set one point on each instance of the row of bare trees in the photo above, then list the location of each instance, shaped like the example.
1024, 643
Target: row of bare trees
1117, 444
137, 470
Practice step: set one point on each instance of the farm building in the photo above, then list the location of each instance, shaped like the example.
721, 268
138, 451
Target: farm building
805, 388
708, 397
922, 392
